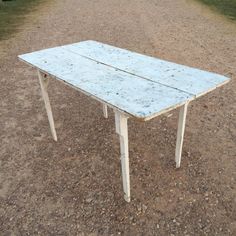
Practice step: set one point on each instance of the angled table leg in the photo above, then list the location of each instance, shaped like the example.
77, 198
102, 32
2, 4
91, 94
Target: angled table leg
105, 113
44, 84
180, 133
122, 130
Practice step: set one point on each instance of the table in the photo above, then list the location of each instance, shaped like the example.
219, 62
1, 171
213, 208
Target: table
132, 84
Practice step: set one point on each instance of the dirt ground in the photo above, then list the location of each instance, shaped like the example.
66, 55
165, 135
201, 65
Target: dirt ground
73, 186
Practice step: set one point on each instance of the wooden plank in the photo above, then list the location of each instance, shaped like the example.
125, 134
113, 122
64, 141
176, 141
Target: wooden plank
138, 97
191, 80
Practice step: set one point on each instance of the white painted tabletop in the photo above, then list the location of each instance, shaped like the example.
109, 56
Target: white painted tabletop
139, 85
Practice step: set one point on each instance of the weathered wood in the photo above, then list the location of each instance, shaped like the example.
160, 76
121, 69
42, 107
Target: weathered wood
122, 130
44, 84
132, 84
184, 78
180, 134
137, 97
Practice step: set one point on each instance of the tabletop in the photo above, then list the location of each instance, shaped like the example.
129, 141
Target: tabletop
138, 85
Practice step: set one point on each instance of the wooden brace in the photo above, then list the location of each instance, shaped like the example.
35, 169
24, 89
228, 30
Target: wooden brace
44, 81
104, 108
180, 134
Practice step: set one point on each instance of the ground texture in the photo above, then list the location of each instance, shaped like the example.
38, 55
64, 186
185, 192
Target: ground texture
73, 186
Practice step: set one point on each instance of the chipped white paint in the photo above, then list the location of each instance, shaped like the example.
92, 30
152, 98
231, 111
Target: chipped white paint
136, 96
190, 80
44, 85
132, 84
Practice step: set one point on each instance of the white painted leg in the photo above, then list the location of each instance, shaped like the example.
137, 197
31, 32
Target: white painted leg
180, 134
44, 84
105, 113
122, 130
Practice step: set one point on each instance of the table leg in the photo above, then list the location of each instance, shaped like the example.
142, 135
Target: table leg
44, 85
180, 134
105, 113
122, 130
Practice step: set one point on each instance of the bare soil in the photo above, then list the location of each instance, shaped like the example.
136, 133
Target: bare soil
73, 186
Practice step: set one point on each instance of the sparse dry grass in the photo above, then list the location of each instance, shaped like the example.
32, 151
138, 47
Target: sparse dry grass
226, 7
12, 13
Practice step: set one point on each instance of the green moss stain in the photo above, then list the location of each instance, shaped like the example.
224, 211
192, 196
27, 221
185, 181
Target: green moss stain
226, 7
12, 12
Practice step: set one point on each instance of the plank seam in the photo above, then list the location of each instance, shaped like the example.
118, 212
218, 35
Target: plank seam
129, 72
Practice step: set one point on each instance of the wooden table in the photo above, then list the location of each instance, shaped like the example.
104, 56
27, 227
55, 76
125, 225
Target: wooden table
134, 85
